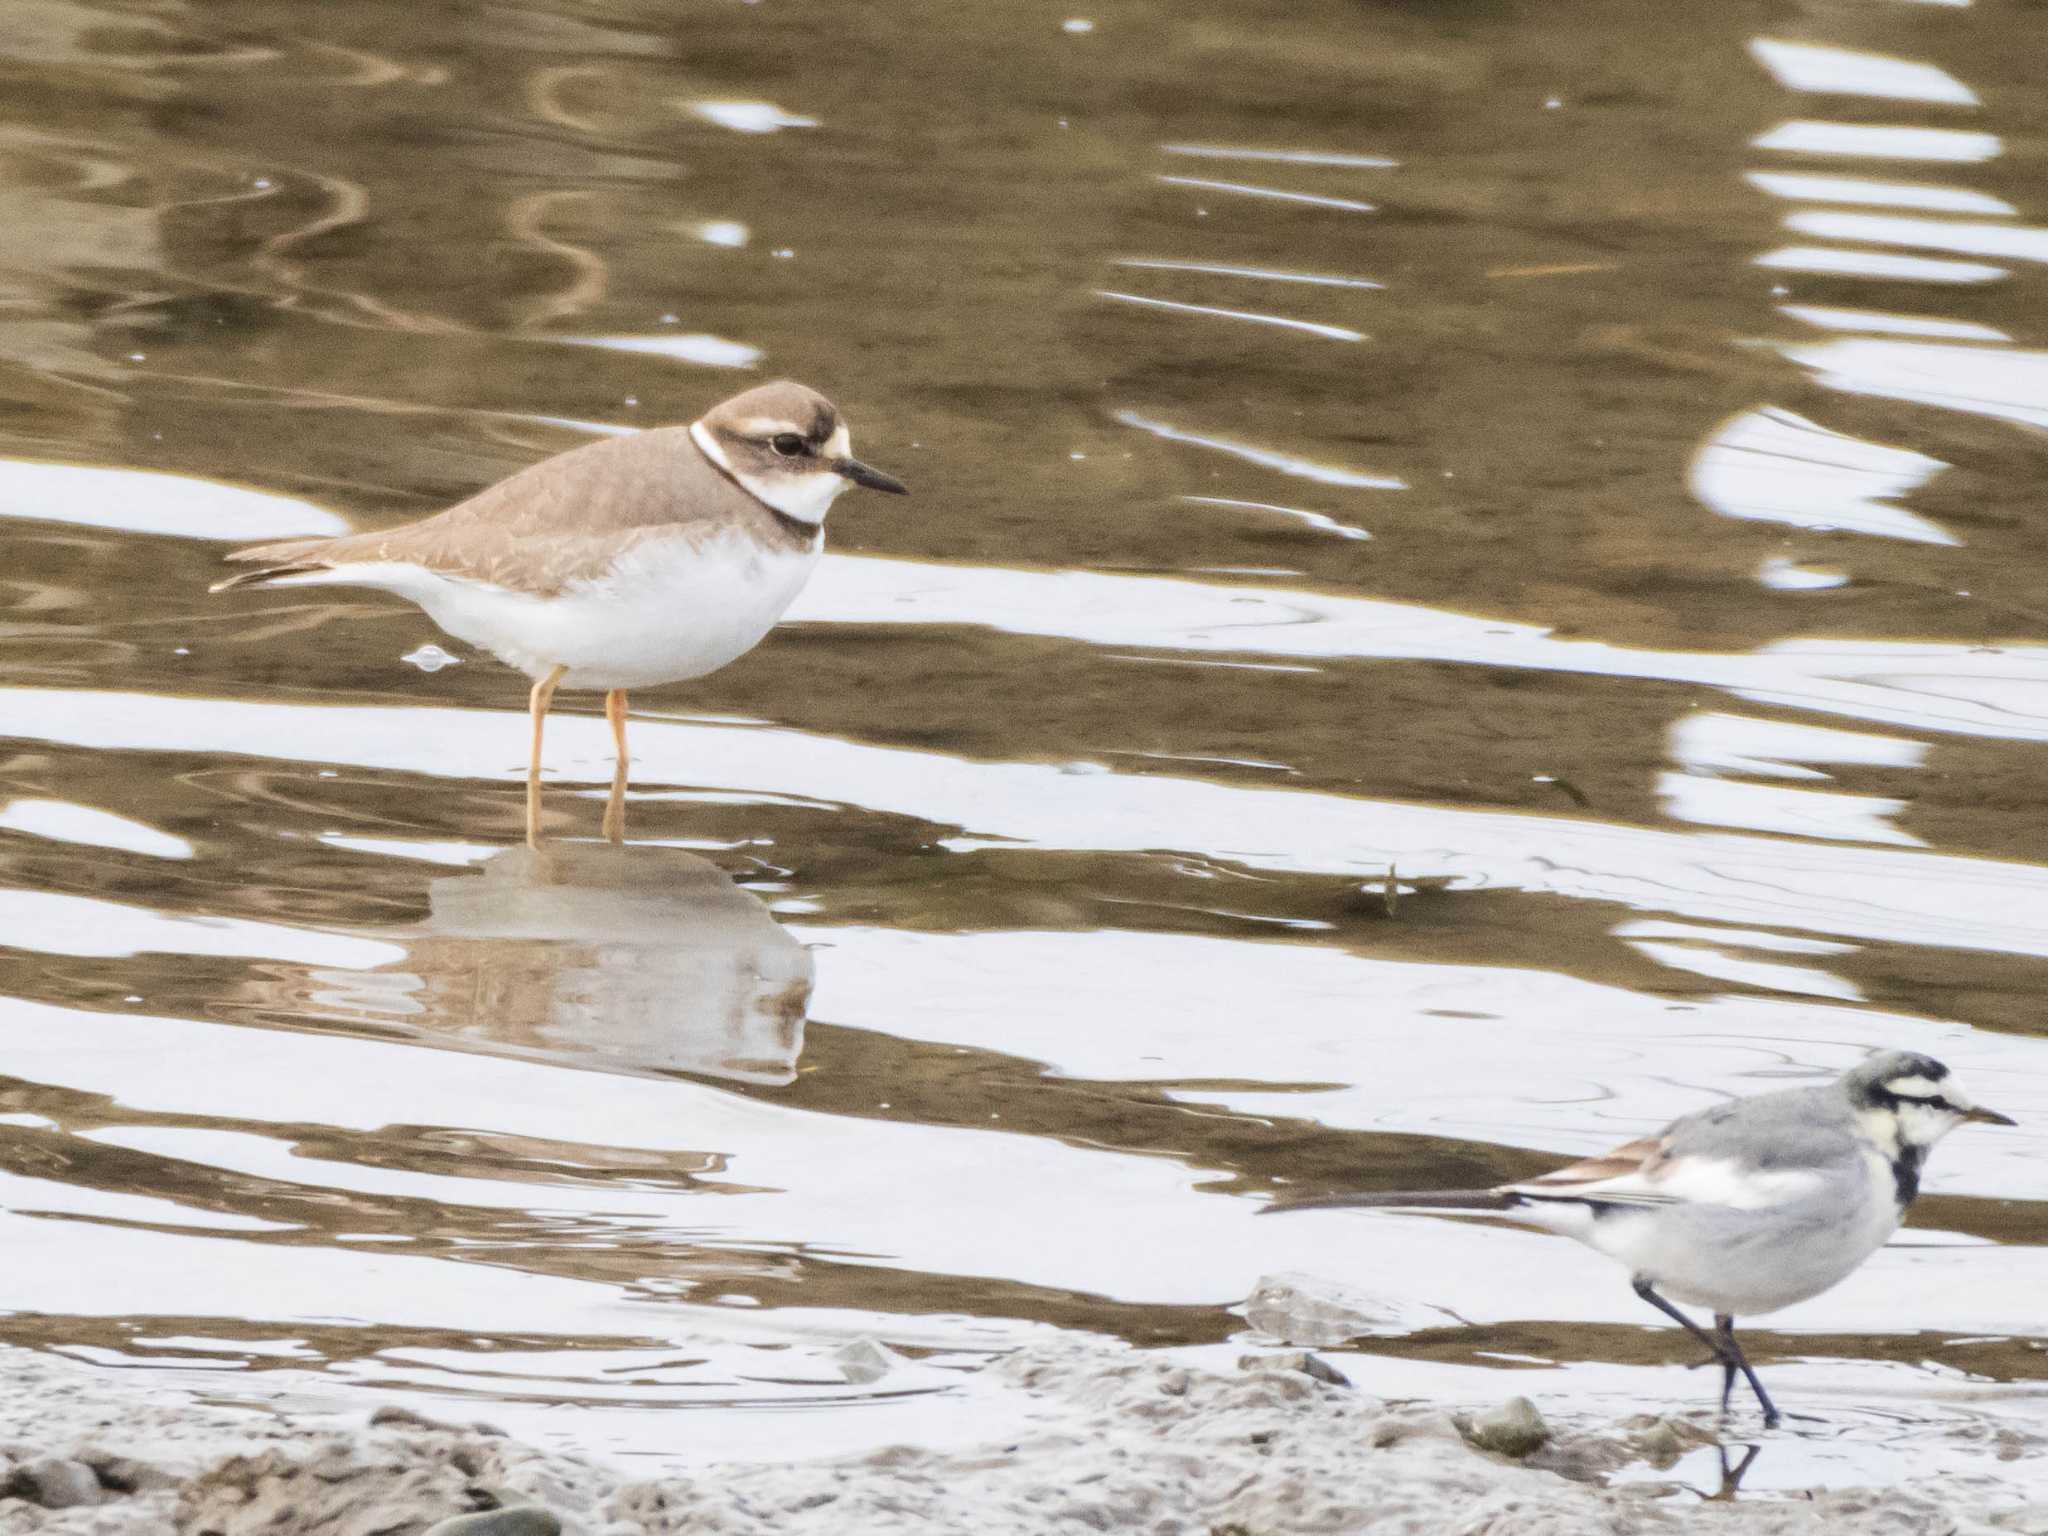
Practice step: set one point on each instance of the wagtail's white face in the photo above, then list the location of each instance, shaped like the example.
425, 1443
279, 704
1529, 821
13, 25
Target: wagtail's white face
1904, 1099
787, 447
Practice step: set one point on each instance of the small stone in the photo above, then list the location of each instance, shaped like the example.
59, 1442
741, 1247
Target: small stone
55, 1483
519, 1520
1175, 1383
1513, 1429
124, 1474
389, 1414
1310, 1312
865, 1361
1393, 1429
1295, 1360
1660, 1444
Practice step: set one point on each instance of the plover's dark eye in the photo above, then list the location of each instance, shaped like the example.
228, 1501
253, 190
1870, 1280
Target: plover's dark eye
788, 444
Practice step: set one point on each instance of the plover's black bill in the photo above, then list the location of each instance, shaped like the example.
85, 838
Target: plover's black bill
867, 475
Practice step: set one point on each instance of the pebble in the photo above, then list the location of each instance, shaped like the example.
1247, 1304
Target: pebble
1295, 1360
865, 1361
519, 1520
1514, 1429
1311, 1312
1660, 1444
55, 1483
396, 1414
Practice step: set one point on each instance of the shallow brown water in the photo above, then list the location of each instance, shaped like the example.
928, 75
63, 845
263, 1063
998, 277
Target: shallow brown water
1690, 689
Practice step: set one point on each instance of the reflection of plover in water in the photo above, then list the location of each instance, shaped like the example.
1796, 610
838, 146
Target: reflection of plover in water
622, 564
1745, 1207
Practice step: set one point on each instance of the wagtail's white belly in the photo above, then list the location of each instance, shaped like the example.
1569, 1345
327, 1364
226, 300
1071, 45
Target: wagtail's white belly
669, 609
1796, 1234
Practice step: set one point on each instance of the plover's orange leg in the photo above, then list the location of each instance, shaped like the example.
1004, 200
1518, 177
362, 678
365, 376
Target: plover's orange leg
615, 808
537, 704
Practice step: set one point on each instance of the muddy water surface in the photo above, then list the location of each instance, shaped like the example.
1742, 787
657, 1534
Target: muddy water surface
1474, 583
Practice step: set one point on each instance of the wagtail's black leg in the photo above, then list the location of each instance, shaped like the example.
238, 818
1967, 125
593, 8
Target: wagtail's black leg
1735, 1360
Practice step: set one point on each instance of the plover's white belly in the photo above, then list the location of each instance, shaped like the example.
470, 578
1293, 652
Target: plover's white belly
670, 610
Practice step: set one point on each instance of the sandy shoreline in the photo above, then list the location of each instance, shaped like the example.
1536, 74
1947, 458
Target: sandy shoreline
1112, 1440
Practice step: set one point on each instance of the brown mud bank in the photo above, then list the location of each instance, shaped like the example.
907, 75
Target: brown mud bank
1103, 1440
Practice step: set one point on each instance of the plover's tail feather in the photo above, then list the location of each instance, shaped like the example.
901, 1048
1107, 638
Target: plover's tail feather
267, 574
1414, 1199
286, 557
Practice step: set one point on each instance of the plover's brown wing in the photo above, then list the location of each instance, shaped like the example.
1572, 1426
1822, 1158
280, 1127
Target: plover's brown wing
539, 564
552, 524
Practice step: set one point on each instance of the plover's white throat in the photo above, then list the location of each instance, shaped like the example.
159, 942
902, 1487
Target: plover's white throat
623, 564
1748, 1206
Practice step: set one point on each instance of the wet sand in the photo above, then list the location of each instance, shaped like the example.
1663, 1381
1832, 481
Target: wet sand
1102, 1439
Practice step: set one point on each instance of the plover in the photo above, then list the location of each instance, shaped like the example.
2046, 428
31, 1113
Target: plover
622, 564
1745, 1207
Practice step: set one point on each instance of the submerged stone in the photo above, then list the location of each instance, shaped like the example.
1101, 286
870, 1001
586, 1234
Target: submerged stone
865, 1361
55, 1483
1513, 1429
519, 1520
1295, 1360
1314, 1313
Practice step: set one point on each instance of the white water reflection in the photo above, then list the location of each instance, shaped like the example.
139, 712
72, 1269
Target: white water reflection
32, 1196
1976, 690
1892, 194
1710, 744
1746, 938
1286, 156
1265, 458
1145, 1228
1843, 71
709, 351
749, 116
2007, 241
1820, 813
1829, 318
1869, 141
1496, 1054
1270, 274
1907, 269
1849, 891
1274, 194
2008, 383
1313, 328
1770, 465
63, 822
55, 923
1787, 576
87, 1269
148, 502
1718, 964
1315, 520
1709, 741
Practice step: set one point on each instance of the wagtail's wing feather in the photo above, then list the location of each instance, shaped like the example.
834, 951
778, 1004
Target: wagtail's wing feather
1634, 1173
1624, 1176
1425, 1199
